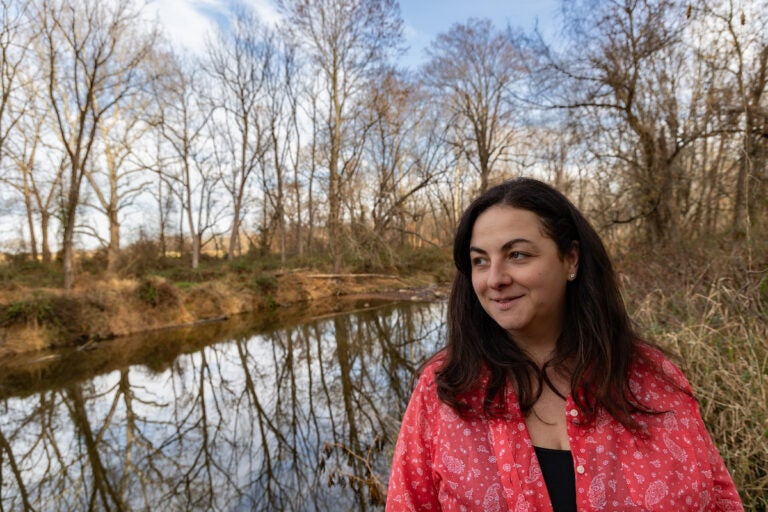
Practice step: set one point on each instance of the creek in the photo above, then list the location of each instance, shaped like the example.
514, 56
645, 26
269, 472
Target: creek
287, 413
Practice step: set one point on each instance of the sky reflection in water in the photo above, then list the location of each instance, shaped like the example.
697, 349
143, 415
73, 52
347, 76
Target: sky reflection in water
297, 418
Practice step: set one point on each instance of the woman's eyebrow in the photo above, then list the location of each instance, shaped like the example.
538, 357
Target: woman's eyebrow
507, 245
514, 242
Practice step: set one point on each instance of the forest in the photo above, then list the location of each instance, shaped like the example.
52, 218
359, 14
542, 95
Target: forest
307, 144
307, 140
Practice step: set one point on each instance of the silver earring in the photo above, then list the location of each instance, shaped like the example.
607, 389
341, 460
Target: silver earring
571, 276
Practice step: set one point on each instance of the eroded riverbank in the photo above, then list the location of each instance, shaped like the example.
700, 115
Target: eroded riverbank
37, 319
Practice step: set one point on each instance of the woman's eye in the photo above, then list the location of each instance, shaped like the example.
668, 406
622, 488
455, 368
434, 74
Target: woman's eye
516, 255
477, 261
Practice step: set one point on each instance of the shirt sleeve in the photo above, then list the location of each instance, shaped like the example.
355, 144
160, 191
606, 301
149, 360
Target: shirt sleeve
726, 497
412, 482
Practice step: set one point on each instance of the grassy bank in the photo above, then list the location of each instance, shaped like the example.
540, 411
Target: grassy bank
710, 308
35, 314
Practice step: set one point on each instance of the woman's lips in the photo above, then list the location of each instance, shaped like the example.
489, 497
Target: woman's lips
505, 303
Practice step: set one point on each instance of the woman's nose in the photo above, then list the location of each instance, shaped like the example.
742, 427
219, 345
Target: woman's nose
498, 275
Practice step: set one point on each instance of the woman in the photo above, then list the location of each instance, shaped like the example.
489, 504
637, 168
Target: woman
544, 397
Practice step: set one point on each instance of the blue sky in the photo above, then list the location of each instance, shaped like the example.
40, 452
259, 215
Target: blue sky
424, 19
186, 21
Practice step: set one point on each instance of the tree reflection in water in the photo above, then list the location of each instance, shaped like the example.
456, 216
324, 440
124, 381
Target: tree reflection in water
297, 419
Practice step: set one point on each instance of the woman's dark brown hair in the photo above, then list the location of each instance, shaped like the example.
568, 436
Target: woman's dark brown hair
597, 344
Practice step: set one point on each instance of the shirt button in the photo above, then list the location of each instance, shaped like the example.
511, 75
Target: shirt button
580, 469
574, 412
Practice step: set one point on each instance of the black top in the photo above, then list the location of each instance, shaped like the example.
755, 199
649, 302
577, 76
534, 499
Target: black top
557, 469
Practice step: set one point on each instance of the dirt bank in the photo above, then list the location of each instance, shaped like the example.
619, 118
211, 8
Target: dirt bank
35, 319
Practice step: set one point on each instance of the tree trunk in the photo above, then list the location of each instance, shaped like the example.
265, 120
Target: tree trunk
234, 232
163, 218
70, 217
45, 247
30, 217
195, 240
335, 242
739, 223
68, 251
113, 252
334, 217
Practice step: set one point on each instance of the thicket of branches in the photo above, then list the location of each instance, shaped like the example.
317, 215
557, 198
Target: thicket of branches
309, 139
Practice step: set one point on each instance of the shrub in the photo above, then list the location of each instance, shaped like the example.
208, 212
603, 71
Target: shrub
434, 260
139, 258
157, 292
61, 316
31, 273
35, 311
264, 283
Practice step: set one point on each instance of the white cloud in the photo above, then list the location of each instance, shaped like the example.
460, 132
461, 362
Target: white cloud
186, 22
266, 11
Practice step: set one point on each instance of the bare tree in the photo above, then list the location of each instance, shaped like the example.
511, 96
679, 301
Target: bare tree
311, 161
472, 68
625, 75
114, 179
239, 61
743, 58
14, 39
24, 182
184, 122
296, 206
38, 171
92, 53
403, 162
283, 133
346, 39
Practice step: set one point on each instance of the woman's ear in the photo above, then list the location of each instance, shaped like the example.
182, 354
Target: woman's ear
572, 257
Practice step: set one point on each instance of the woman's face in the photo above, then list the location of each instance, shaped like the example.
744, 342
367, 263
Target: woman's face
519, 276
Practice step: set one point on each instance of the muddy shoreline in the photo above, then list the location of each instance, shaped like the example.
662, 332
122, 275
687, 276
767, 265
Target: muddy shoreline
38, 320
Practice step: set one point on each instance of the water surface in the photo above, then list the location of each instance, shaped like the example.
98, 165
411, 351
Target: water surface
283, 414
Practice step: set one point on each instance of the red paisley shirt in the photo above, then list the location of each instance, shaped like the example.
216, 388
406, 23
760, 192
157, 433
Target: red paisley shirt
445, 462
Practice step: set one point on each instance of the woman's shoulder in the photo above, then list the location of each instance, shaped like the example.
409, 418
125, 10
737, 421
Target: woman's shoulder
426, 374
429, 379
653, 367
429, 371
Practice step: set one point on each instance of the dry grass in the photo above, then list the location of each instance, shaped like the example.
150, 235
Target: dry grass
712, 311
37, 318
